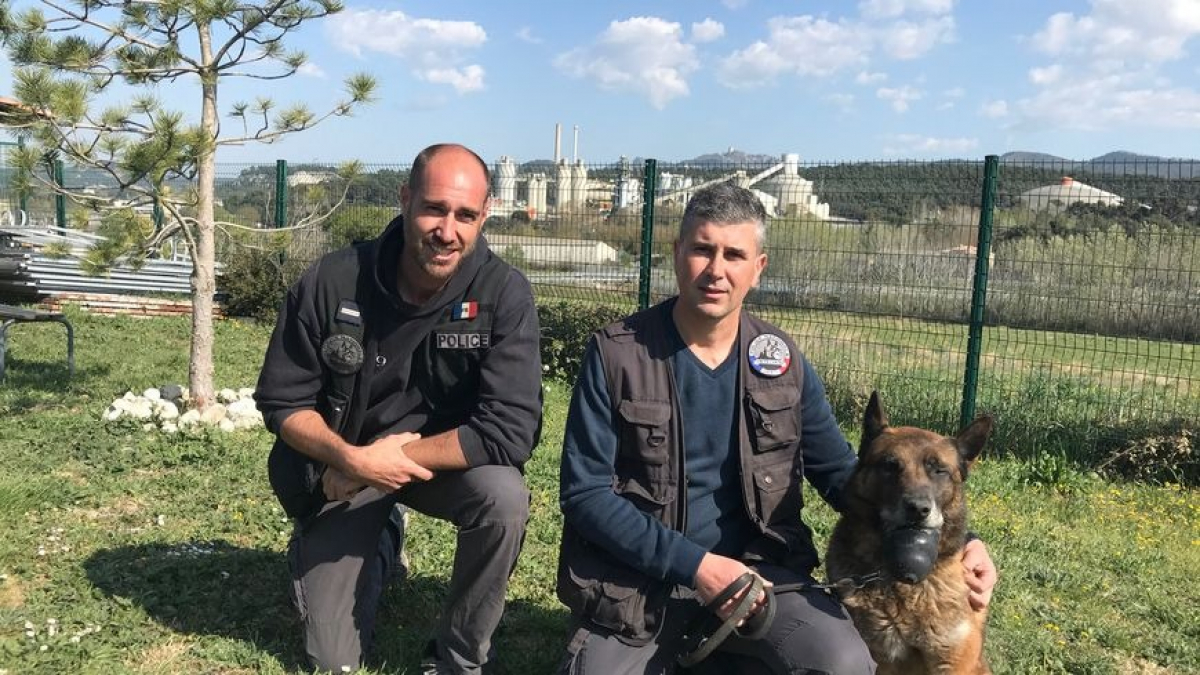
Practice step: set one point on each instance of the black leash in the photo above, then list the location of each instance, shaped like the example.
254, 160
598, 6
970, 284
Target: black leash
706, 631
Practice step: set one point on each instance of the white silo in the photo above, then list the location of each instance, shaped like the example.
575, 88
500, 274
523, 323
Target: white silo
562, 184
629, 191
506, 181
537, 193
579, 178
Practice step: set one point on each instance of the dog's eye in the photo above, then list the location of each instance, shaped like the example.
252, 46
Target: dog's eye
937, 468
889, 465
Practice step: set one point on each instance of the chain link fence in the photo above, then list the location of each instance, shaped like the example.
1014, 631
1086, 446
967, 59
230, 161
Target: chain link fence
1063, 297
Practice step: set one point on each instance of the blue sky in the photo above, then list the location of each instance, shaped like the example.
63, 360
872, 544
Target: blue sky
672, 79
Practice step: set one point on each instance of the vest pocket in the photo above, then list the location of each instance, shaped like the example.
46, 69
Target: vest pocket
774, 417
777, 488
643, 460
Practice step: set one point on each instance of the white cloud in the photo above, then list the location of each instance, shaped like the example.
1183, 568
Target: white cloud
899, 97
707, 31
1108, 68
1154, 30
802, 45
822, 47
311, 70
909, 40
463, 80
890, 9
1048, 75
525, 34
436, 50
913, 144
870, 78
642, 55
1101, 103
994, 109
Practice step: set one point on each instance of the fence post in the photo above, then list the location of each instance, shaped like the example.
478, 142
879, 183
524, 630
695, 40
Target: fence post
60, 199
649, 188
983, 253
23, 195
281, 193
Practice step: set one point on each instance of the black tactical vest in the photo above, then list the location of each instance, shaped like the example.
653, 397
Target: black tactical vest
649, 465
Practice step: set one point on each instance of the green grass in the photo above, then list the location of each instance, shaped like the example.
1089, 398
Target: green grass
165, 554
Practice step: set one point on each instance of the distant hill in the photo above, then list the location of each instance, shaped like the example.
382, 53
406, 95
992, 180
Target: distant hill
732, 157
1119, 162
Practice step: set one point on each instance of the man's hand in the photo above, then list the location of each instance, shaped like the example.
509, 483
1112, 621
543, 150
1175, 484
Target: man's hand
980, 573
383, 464
715, 574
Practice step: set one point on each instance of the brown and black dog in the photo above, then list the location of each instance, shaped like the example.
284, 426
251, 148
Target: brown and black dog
909, 479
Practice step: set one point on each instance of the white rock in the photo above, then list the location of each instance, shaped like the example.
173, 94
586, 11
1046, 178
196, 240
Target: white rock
140, 410
246, 392
226, 424
170, 428
189, 418
152, 394
165, 410
112, 414
148, 426
129, 396
213, 414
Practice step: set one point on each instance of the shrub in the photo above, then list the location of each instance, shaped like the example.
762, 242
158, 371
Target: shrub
254, 282
1170, 457
566, 328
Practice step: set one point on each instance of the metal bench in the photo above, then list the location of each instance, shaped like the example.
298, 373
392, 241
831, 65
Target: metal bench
10, 315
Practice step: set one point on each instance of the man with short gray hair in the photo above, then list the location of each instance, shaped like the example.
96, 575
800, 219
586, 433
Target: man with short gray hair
692, 426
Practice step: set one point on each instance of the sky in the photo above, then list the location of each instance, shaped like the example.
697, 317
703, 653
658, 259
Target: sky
674, 79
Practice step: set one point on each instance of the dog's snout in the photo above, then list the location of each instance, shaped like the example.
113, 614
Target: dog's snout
918, 508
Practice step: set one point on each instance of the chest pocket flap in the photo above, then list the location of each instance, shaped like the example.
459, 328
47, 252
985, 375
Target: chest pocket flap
776, 420
645, 428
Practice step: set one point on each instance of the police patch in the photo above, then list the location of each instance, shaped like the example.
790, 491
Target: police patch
342, 353
769, 355
463, 340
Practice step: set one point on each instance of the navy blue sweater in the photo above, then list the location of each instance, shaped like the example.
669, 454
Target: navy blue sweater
589, 503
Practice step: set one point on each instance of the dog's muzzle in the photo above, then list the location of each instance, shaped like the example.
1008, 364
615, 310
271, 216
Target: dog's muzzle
910, 553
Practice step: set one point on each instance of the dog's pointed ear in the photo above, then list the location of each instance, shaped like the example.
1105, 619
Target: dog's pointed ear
971, 439
874, 421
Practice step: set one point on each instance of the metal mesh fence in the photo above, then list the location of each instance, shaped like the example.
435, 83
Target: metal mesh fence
1092, 273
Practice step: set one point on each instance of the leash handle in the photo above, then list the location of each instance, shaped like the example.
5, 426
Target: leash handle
698, 645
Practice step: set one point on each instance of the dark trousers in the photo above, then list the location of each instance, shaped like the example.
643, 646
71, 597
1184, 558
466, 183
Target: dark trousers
342, 557
811, 635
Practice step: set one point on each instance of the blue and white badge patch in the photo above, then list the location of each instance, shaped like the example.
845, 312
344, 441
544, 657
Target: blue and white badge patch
769, 355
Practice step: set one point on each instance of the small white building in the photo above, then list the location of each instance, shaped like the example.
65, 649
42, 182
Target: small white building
1068, 191
552, 250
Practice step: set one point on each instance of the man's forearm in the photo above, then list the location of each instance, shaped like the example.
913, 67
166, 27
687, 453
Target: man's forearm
307, 432
441, 452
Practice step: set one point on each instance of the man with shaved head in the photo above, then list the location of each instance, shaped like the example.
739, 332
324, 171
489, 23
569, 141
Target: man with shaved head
405, 371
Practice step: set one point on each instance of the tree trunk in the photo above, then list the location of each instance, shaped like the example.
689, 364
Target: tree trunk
204, 283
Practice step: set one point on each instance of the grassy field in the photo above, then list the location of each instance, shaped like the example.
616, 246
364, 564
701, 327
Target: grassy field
133, 552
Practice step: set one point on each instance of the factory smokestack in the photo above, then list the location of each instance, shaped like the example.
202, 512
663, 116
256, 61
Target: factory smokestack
557, 142
575, 150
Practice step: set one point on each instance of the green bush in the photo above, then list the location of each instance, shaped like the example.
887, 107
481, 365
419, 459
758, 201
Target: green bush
566, 328
253, 282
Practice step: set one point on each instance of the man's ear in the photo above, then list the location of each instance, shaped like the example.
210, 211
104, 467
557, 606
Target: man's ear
405, 196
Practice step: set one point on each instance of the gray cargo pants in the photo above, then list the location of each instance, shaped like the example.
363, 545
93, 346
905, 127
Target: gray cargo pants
342, 557
811, 635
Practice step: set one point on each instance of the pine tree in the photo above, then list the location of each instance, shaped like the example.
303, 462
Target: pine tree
70, 53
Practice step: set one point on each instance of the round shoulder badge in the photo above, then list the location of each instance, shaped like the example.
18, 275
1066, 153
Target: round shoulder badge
342, 353
769, 355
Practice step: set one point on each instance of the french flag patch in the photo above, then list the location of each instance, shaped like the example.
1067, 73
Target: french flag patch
466, 310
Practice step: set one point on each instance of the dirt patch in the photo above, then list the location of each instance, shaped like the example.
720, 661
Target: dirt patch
1135, 666
12, 593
